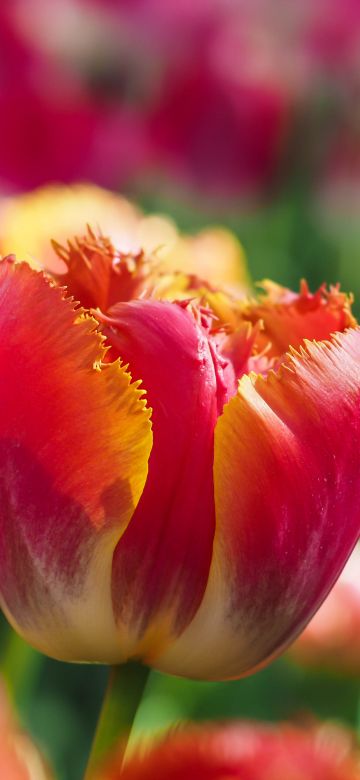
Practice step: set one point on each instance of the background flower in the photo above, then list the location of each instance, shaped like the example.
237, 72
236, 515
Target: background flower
28, 224
332, 638
19, 758
134, 90
250, 751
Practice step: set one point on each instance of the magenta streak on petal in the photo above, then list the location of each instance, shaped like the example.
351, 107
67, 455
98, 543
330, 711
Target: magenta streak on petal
164, 556
32, 510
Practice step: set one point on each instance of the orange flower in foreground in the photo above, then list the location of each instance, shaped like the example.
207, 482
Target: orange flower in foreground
247, 751
332, 638
197, 527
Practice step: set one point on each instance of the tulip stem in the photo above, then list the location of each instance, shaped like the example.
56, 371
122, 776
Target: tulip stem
20, 667
122, 697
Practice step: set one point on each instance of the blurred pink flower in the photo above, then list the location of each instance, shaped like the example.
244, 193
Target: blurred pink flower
210, 95
332, 33
247, 751
332, 638
52, 128
218, 133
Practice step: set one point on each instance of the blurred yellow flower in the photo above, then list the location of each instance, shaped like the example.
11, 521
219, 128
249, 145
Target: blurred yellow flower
28, 223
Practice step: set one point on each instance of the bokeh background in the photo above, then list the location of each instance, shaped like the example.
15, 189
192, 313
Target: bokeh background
243, 113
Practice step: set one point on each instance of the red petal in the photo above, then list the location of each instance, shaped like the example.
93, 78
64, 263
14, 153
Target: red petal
162, 562
288, 317
98, 275
287, 494
74, 447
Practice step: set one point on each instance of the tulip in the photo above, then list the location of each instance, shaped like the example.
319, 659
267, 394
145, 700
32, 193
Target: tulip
153, 507
71, 133
28, 222
244, 750
332, 638
154, 88
199, 108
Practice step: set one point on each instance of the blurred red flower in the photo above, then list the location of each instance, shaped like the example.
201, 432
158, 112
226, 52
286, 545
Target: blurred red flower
247, 751
212, 96
52, 127
216, 132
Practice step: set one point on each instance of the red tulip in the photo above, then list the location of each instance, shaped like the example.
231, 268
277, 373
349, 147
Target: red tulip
204, 546
247, 751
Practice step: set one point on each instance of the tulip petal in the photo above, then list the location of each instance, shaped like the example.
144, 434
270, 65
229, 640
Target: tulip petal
97, 274
74, 445
162, 562
200, 255
287, 487
290, 317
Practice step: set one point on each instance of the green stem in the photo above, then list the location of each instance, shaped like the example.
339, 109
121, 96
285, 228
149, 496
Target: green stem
20, 666
121, 700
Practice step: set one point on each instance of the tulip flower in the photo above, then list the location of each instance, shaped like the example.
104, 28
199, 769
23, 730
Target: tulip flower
28, 223
332, 638
71, 133
153, 506
154, 88
198, 109
244, 750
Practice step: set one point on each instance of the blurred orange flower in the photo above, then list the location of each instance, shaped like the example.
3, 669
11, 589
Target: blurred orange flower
19, 758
